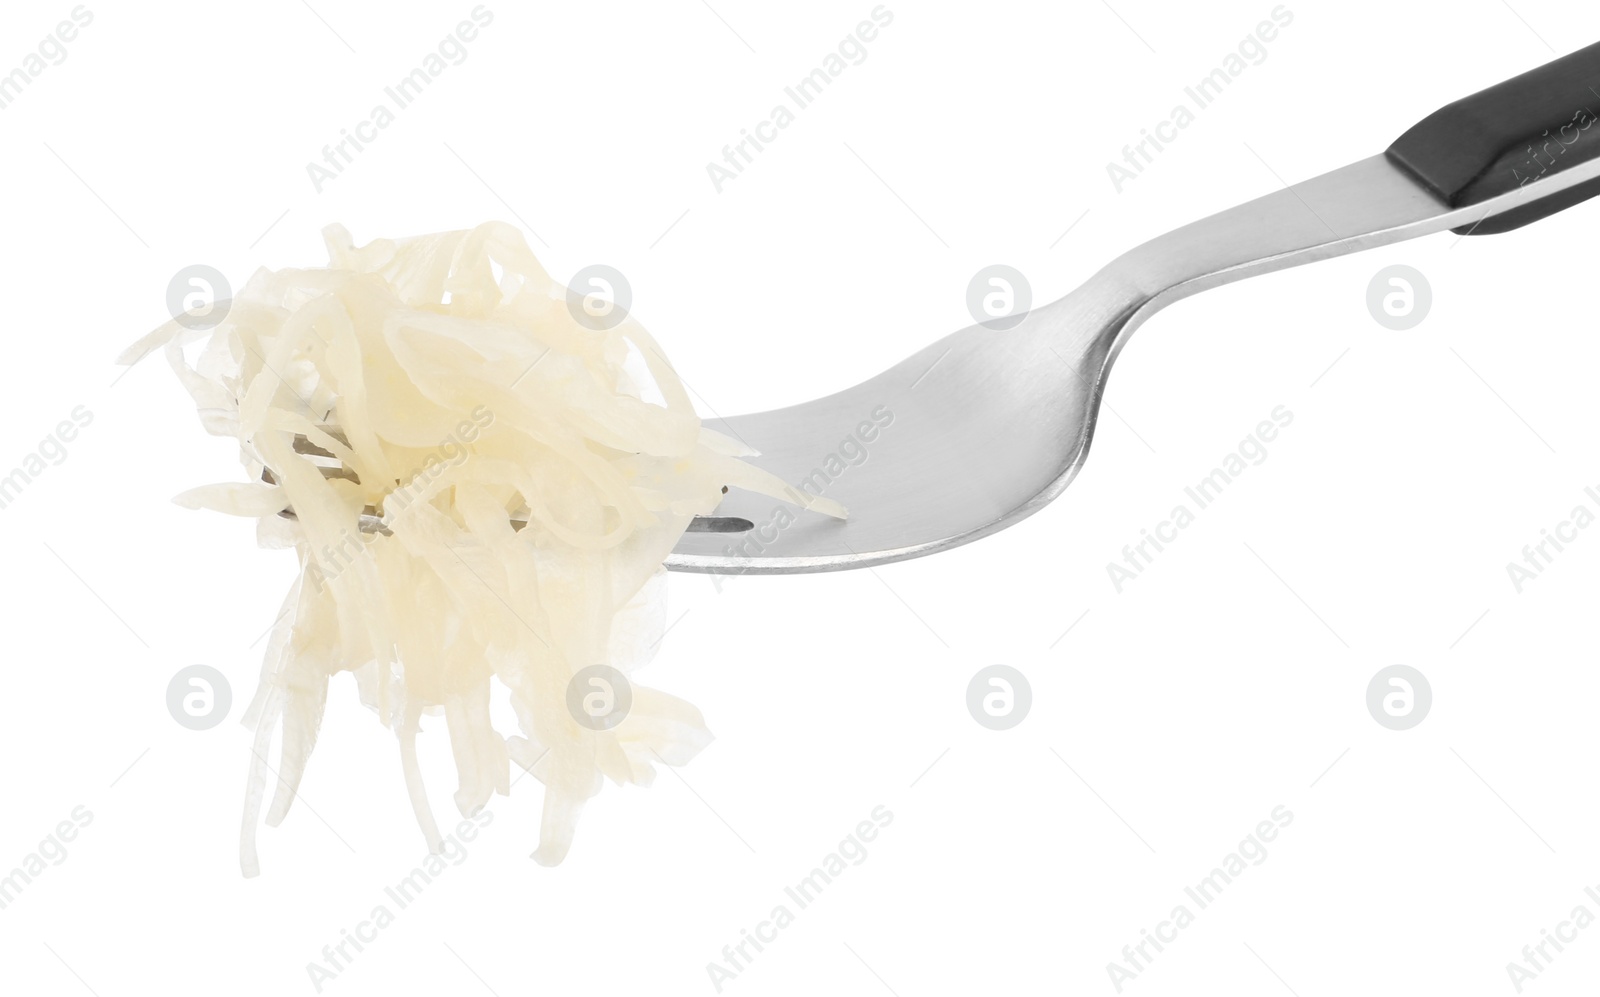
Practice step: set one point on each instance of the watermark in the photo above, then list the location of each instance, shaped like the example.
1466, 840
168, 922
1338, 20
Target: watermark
52, 51
599, 297
1252, 851
1399, 697
51, 452
451, 51
333, 560
50, 851
337, 957
1537, 958
851, 51
998, 297
198, 297
999, 697
1537, 557
852, 451
1252, 51
599, 697
1252, 452
852, 851
199, 697
1399, 297
1542, 160
452, 451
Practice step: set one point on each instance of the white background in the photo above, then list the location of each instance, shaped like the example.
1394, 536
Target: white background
1171, 719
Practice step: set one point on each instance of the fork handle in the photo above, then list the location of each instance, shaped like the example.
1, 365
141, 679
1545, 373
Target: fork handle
1519, 132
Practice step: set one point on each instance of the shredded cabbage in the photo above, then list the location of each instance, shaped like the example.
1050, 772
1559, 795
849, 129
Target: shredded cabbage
520, 495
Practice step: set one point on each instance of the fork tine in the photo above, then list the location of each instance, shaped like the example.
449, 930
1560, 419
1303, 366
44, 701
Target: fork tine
371, 519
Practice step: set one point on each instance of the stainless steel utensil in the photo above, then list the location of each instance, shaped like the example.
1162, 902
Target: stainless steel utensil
984, 428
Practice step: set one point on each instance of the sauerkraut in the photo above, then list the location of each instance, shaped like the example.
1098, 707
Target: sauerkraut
479, 485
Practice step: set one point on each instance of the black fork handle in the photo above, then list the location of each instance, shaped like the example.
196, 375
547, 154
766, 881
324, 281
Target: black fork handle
1508, 136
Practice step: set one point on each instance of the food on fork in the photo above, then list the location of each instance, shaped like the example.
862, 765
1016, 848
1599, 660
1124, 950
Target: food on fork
480, 482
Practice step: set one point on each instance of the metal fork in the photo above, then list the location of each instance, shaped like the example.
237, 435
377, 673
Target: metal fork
371, 519
984, 428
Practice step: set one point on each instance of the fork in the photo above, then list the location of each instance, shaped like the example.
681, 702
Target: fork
984, 428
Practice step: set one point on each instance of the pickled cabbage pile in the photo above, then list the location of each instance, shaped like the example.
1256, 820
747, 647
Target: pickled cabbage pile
479, 485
